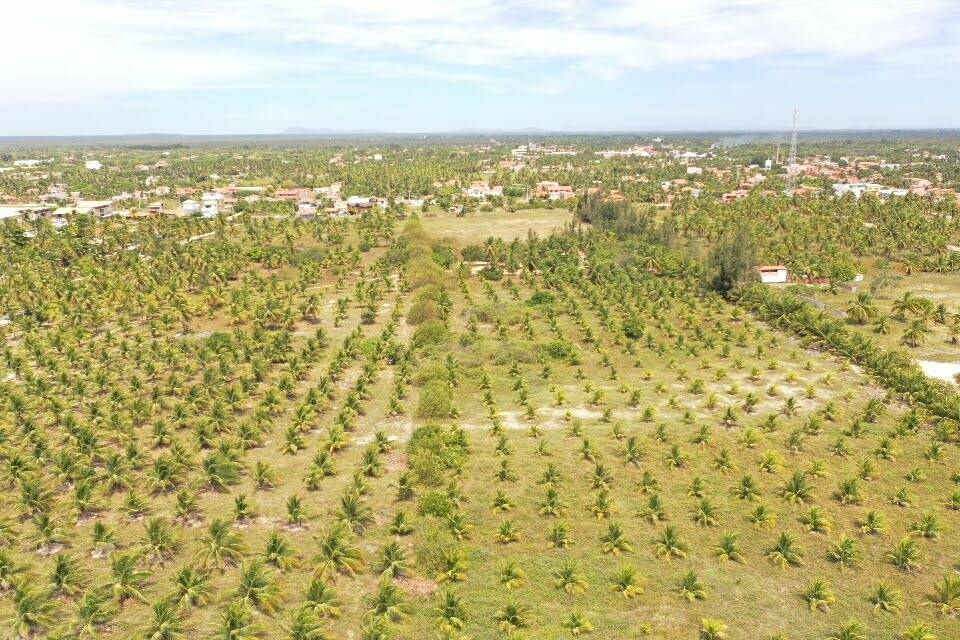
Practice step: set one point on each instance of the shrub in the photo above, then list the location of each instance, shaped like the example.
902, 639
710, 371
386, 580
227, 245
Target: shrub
430, 334
436, 400
434, 450
507, 354
430, 371
633, 328
432, 548
423, 273
542, 298
473, 253
491, 272
443, 255
423, 310
562, 350
435, 503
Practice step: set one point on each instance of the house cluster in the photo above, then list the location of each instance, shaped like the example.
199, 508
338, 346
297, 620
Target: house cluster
534, 150
632, 152
57, 215
480, 190
553, 191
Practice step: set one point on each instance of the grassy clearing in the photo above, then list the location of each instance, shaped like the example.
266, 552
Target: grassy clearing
475, 227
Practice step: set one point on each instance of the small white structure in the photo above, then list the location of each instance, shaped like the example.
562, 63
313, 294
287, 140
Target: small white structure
212, 203
93, 165
773, 274
694, 171
10, 212
190, 206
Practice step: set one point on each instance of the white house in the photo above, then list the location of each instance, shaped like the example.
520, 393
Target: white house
773, 274
93, 165
694, 171
212, 203
190, 206
481, 190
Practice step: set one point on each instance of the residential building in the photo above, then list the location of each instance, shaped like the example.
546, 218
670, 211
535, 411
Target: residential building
553, 190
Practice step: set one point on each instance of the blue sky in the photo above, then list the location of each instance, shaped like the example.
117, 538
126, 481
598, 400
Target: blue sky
241, 66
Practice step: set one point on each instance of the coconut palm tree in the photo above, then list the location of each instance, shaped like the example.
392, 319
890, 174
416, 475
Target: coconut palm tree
569, 579
862, 309
258, 588
628, 582
512, 616
220, 546
818, 595
191, 587
785, 552
126, 578
236, 623
167, 622
852, 630
450, 611
337, 555
946, 597
32, 610
95, 609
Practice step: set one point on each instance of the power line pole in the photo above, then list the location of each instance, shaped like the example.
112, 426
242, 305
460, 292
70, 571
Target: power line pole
792, 159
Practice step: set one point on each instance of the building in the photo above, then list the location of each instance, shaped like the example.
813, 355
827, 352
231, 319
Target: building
553, 190
295, 195
190, 206
733, 196
211, 204
773, 274
100, 208
307, 209
481, 190
93, 165
332, 191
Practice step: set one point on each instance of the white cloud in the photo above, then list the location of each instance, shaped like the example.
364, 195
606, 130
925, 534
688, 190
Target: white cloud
73, 49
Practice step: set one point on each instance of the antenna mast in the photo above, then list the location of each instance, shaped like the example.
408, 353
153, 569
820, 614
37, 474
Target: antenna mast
792, 159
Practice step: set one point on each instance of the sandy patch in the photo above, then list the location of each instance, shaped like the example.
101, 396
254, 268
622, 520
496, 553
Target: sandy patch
940, 370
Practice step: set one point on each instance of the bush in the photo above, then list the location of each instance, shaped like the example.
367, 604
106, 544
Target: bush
422, 311
430, 371
443, 255
562, 350
473, 253
435, 450
633, 328
432, 548
542, 298
430, 334
515, 351
436, 400
491, 272
435, 503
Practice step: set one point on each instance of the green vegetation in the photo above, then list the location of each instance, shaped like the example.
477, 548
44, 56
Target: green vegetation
270, 427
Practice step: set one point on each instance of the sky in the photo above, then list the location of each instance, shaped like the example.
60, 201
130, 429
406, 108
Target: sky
252, 66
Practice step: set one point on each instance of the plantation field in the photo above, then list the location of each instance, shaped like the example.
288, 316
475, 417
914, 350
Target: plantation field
270, 433
939, 288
